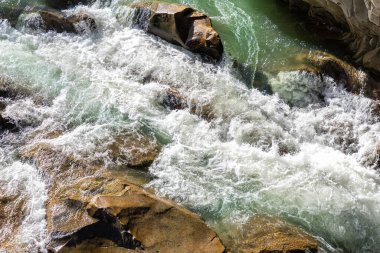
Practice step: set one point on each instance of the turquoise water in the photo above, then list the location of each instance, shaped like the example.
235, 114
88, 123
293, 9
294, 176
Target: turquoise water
92, 87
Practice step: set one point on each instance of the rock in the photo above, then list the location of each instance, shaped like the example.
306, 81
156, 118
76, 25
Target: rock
181, 25
10, 12
129, 216
264, 234
53, 20
12, 213
134, 151
173, 100
89, 205
97, 245
355, 23
328, 65
7, 124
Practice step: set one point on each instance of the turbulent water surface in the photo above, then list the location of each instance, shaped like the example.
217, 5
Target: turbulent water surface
311, 163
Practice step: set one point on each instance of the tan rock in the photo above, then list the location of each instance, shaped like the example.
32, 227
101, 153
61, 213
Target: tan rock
133, 150
155, 224
264, 234
12, 213
181, 25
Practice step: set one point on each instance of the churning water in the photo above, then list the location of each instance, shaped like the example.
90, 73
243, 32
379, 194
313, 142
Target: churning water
311, 164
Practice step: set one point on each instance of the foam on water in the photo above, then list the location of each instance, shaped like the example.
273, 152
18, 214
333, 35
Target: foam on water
309, 164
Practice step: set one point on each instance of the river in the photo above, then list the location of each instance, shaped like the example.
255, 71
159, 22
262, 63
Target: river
92, 86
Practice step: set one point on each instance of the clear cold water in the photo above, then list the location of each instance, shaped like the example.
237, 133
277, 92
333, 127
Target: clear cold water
93, 86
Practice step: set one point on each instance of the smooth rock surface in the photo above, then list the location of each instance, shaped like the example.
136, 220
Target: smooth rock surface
181, 25
265, 234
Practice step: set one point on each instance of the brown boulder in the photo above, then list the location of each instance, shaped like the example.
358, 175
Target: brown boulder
174, 100
53, 20
264, 234
134, 218
181, 25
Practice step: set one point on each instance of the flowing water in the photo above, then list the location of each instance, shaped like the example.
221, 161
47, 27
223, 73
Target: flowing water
312, 164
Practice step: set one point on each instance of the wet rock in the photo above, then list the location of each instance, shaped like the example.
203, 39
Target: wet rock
7, 124
181, 25
88, 204
10, 12
12, 213
328, 65
134, 151
174, 100
133, 217
53, 20
264, 234
353, 23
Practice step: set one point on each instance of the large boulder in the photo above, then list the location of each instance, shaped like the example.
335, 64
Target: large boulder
181, 25
265, 234
128, 215
91, 205
354, 22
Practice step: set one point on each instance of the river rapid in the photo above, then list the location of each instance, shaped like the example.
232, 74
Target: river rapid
93, 86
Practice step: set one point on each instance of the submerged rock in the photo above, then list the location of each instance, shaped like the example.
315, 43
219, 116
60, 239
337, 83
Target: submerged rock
327, 65
174, 100
53, 20
181, 25
134, 151
265, 234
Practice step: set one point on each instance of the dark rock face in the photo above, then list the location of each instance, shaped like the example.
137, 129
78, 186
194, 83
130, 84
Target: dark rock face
354, 23
181, 25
